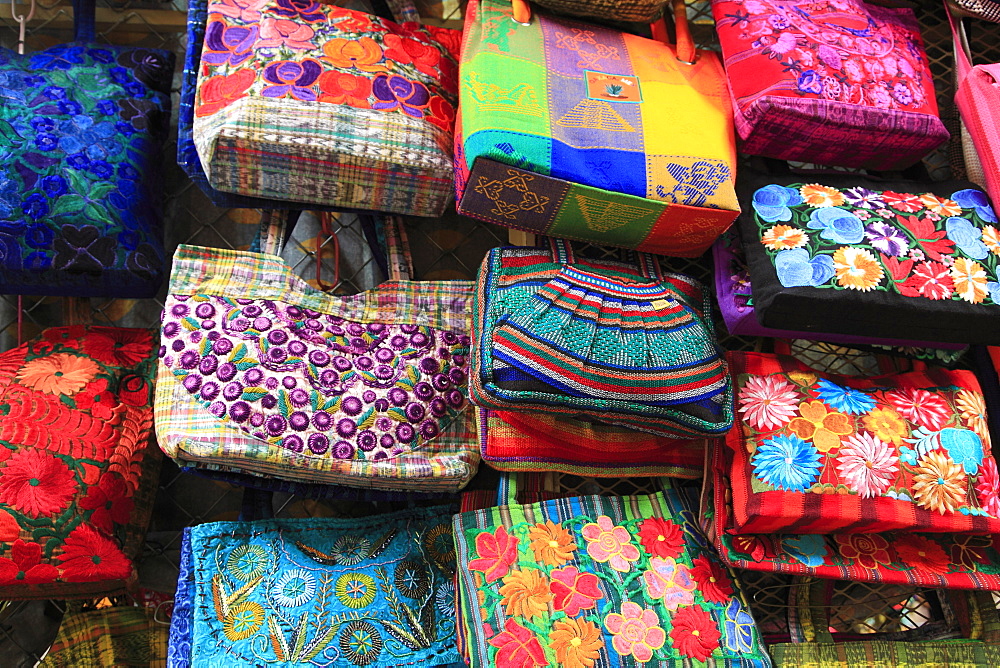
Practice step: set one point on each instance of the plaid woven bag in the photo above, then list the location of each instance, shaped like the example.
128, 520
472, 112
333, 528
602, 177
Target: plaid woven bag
616, 342
113, 637
584, 132
313, 103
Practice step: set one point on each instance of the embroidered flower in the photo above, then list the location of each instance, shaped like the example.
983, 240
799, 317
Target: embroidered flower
355, 590
713, 581
903, 201
739, 627
496, 552
517, 647
864, 198
636, 631
551, 543
924, 408
574, 591
61, 373
87, 556
867, 465
36, 483
964, 447
823, 428
294, 587
931, 280
886, 424
967, 237
219, 92
772, 202
969, 550
887, 239
96, 399
796, 269
970, 280
922, 553
767, 402
938, 483
940, 206
818, 195
392, 91
407, 50
576, 642
988, 487
972, 408
867, 550
787, 462
810, 549
363, 53
857, 268
991, 239
837, 225
976, 200
281, 32
243, 620
228, 44
110, 501
784, 237
247, 561
844, 399
287, 77
344, 88
525, 593
660, 537
610, 543
116, 346
25, 565
695, 634
670, 581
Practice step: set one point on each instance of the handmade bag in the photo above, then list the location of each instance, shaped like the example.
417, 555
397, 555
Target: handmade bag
78, 472
123, 635
818, 453
530, 441
81, 126
848, 254
263, 374
616, 342
842, 85
987, 10
639, 11
374, 591
327, 106
583, 132
598, 581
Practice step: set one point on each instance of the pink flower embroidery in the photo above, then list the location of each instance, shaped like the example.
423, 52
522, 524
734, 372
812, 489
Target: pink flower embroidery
247, 11
925, 408
636, 631
282, 32
610, 543
767, 402
497, 552
669, 581
517, 647
574, 591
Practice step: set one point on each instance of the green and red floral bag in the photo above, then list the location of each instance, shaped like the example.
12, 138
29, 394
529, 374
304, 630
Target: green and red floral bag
598, 581
77, 473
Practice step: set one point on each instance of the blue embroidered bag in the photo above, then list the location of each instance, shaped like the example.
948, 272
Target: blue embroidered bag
374, 591
80, 128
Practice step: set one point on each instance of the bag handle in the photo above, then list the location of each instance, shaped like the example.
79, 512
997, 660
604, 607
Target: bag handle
562, 251
83, 20
963, 63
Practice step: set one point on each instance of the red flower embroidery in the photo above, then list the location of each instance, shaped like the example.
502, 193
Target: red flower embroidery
68, 336
134, 391
88, 556
96, 398
574, 591
922, 553
442, 114
517, 647
406, 50
902, 201
661, 538
110, 502
497, 551
116, 346
712, 579
219, 92
694, 633
867, 550
929, 279
25, 565
932, 240
344, 88
10, 530
36, 483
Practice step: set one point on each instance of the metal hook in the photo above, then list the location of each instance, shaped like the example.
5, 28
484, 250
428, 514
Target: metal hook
22, 22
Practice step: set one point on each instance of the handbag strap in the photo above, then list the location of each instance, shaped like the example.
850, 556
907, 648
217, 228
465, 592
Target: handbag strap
83, 20
963, 64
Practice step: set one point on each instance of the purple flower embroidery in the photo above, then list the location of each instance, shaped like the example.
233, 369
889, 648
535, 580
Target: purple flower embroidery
290, 77
887, 239
306, 10
902, 93
829, 57
393, 91
863, 198
232, 44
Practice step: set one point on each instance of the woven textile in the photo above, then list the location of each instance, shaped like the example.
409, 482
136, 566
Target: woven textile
78, 471
308, 102
81, 125
109, 638
598, 581
375, 591
640, 11
261, 373
987, 10
816, 453
837, 85
563, 129
887, 259
619, 343
515, 441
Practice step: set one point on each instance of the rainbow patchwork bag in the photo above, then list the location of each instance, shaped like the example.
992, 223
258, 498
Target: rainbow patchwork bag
584, 132
620, 343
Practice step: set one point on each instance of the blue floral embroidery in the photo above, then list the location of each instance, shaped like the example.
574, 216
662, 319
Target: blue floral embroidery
796, 269
772, 202
837, 225
844, 399
787, 462
738, 626
967, 237
964, 446
977, 200
810, 82
810, 549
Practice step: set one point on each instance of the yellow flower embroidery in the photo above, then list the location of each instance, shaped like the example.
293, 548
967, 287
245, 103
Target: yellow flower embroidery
821, 427
886, 424
525, 593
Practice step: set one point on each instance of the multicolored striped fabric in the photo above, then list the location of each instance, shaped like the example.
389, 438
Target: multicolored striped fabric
109, 638
584, 132
393, 441
597, 338
308, 102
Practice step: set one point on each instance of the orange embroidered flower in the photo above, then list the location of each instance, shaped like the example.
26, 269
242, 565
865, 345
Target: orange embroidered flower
525, 593
972, 408
576, 642
991, 237
857, 268
816, 195
344, 88
940, 206
636, 631
939, 483
922, 553
61, 373
610, 543
552, 544
406, 50
219, 92
363, 53
970, 280
867, 550
784, 237
822, 427
886, 424
36, 483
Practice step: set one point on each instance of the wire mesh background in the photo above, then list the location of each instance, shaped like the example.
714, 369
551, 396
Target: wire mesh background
447, 248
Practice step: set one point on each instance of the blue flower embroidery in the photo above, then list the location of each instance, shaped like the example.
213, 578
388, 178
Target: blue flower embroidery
787, 462
796, 269
810, 82
907, 455
993, 288
772, 201
810, 549
738, 625
838, 225
964, 446
967, 237
844, 399
975, 199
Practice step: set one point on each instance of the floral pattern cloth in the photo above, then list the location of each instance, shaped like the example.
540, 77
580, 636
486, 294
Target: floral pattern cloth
76, 469
80, 127
375, 591
598, 581
817, 453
